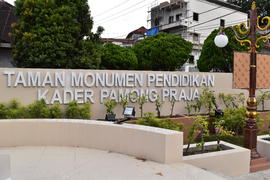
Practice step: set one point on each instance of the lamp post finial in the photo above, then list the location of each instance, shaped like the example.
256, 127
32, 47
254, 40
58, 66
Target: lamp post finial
254, 6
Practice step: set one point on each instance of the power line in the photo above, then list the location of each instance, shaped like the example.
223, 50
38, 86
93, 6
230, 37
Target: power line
213, 19
114, 18
164, 24
115, 7
215, 25
186, 18
119, 12
218, 27
208, 21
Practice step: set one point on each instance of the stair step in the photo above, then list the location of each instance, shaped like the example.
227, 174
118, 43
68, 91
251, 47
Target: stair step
260, 167
258, 161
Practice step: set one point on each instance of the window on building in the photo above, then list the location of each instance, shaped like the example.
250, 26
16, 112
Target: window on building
178, 16
222, 23
195, 16
195, 37
156, 22
191, 59
171, 19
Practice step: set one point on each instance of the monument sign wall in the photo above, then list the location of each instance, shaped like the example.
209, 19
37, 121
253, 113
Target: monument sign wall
63, 86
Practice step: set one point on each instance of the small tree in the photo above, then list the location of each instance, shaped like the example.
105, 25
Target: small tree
158, 104
234, 119
209, 100
220, 130
110, 105
124, 100
166, 52
117, 57
189, 108
264, 96
172, 101
55, 34
197, 106
232, 100
199, 127
141, 101
245, 5
214, 58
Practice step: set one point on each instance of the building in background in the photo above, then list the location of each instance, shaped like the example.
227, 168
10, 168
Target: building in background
137, 35
131, 39
194, 20
7, 17
119, 42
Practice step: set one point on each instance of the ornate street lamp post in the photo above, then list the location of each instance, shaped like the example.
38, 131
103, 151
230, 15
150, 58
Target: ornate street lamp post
251, 34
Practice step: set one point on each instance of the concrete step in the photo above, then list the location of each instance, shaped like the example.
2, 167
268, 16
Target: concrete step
258, 161
260, 167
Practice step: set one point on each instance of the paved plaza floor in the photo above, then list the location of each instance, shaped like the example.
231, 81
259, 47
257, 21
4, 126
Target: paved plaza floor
67, 163
59, 163
262, 175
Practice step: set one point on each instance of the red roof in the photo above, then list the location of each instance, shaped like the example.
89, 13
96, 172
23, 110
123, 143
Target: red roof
141, 31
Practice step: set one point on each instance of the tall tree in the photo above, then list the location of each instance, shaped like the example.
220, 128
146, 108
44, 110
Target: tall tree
117, 57
162, 52
55, 34
263, 6
214, 58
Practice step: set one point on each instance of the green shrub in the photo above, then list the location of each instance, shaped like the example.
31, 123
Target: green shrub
16, 111
209, 100
234, 119
55, 111
110, 105
237, 140
74, 111
198, 129
3, 111
150, 120
39, 109
85, 112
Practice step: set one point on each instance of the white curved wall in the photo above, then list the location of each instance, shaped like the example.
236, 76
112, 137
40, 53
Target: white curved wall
150, 143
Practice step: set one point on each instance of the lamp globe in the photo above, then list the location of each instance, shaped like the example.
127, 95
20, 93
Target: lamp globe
221, 40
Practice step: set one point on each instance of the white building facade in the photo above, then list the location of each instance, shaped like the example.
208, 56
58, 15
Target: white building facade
194, 20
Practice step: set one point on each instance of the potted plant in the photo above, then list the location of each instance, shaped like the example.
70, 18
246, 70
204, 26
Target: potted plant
110, 105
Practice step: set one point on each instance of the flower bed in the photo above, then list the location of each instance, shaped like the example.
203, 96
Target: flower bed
232, 161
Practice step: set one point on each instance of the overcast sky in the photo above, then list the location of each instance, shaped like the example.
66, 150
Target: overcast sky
118, 17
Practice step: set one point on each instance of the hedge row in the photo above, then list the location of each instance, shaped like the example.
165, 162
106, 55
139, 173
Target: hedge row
39, 109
